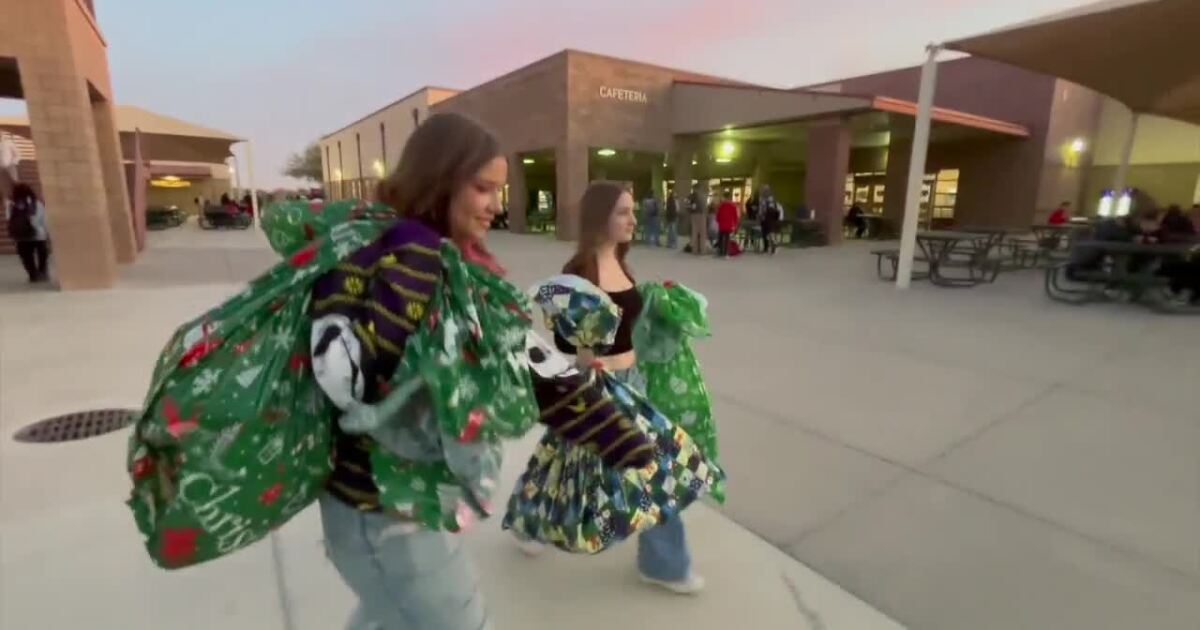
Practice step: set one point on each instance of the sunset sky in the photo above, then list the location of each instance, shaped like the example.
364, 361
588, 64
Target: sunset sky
284, 72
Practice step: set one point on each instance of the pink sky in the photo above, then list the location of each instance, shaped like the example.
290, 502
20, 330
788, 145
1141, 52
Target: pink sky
284, 72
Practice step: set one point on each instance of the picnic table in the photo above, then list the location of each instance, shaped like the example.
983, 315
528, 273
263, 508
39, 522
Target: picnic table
1122, 270
950, 249
1049, 241
946, 249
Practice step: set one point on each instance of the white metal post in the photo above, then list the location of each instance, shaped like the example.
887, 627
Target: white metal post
916, 169
253, 191
1126, 156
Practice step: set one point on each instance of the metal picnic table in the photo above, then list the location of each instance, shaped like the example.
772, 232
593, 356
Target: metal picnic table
1125, 268
944, 249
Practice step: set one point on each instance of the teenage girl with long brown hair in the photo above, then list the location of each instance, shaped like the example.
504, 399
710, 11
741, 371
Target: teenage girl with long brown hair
606, 230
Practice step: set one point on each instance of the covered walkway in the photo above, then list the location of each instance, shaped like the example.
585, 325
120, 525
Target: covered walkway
826, 150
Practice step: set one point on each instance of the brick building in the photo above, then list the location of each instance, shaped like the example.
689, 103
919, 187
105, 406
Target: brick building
53, 55
1007, 145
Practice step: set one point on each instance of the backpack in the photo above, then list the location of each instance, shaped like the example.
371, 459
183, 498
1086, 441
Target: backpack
20, 221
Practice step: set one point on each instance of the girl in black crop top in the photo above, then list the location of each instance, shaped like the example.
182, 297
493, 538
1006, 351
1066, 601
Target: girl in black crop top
606, 229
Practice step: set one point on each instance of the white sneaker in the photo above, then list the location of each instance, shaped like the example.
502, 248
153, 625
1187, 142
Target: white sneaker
531, 548
690, 585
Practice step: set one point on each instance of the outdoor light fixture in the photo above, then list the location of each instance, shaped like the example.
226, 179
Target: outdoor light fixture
694, 162
378, 167
723, 160
606, 152
527, 161
1079, 145
170, 181
727, 149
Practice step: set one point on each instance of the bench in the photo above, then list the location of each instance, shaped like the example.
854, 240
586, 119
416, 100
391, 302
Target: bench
1105, 283
893, 256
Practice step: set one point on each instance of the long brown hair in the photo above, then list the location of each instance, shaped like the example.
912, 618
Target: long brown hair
595, 214
442, 155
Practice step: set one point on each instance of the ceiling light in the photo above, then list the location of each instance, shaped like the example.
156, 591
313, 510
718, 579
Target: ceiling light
606, 152
527, 161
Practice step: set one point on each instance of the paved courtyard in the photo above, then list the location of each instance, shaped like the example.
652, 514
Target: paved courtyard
980, 458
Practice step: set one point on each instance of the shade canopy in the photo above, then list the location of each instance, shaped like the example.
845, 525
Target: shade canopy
1141, 52
163, 138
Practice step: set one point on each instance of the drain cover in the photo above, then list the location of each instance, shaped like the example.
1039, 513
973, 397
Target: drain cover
77, 426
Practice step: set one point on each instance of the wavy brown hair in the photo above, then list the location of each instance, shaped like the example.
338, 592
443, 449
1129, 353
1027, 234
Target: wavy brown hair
443, 154
595, 212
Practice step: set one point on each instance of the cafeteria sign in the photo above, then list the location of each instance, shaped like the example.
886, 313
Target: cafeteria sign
621, 94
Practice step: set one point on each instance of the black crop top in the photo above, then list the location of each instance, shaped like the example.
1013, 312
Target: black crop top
630, 301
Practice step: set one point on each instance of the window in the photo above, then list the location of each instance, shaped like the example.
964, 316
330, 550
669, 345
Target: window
945, 194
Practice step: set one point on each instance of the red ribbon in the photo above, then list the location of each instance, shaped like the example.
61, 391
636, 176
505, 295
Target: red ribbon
474, 423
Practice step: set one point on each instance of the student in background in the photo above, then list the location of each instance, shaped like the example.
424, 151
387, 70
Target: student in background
671, 218
770, 217
1061, 214
650, 213
25, 218
727, 222
698, 211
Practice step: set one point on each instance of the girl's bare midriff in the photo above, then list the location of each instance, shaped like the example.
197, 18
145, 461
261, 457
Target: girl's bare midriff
613, 363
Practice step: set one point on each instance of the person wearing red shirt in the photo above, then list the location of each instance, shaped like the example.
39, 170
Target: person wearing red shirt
727, 222
1061, 214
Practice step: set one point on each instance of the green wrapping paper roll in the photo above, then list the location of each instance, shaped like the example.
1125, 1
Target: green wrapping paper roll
290, 225
673, 315
470, 354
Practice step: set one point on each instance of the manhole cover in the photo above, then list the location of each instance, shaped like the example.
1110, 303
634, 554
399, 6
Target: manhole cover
77, 426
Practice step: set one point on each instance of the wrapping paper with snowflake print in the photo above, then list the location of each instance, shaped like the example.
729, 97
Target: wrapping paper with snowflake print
470, 355
290, 225
673, 315
234, 436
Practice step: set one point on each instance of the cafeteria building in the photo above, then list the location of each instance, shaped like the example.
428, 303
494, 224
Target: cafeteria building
1007, 145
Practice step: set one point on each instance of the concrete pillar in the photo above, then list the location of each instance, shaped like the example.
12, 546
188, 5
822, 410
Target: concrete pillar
825, 179
120, 221
60, 117
762, 167
681, 169
571, 179
138, 181
896, 182
518, 195
657, 180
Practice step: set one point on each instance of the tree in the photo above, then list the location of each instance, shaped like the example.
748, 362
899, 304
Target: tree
306, 165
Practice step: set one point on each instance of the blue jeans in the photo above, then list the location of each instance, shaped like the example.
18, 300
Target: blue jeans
406, 577
652, 231
672, 234
662, 551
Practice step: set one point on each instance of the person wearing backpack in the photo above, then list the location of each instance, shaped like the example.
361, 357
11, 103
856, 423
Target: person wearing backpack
770, 217
25, 218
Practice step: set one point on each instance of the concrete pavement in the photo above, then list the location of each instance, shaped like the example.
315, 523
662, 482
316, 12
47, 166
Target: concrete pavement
980, 458
70, 556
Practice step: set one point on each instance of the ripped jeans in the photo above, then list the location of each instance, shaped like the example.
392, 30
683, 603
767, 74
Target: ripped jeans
406, 577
